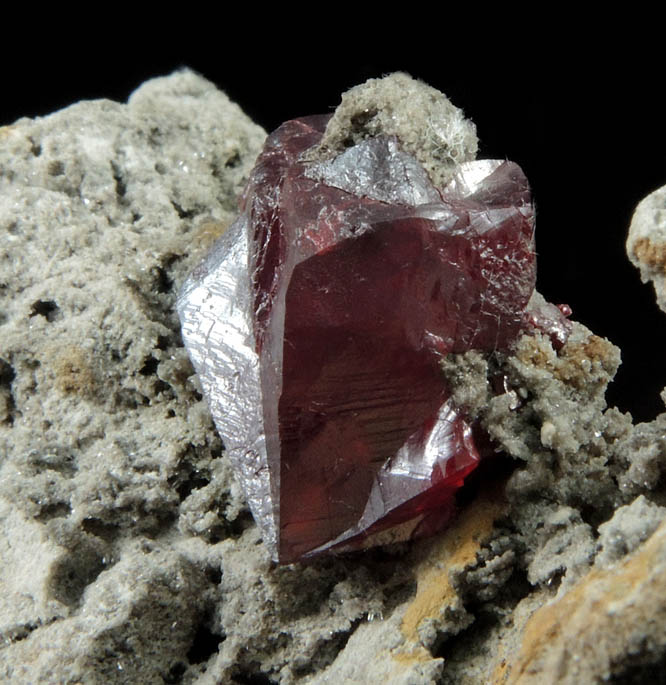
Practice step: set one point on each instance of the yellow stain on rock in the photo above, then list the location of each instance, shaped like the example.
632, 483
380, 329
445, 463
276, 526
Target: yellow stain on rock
650, 253
576, 364
595, 625
73, 371
456, 550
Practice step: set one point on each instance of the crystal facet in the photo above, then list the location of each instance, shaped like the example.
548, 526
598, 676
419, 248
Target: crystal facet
317, 325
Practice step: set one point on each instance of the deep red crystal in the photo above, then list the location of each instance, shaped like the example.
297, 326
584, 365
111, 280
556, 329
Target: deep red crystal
356, 301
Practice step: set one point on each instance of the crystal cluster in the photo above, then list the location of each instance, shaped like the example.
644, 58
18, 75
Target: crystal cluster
317, 325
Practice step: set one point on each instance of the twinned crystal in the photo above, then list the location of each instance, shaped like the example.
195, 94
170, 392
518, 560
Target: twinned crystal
318, 322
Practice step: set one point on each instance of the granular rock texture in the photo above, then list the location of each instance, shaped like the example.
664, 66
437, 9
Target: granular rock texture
127, 554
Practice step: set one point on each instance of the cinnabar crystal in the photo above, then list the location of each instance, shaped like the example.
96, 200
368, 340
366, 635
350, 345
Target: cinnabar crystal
318, 322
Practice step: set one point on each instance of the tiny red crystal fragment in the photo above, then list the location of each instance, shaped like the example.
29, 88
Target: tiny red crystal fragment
349, 280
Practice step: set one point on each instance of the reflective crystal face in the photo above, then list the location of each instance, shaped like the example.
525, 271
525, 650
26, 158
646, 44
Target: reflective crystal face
317, 324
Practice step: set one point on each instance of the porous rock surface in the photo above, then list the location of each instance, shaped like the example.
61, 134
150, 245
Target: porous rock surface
127, 554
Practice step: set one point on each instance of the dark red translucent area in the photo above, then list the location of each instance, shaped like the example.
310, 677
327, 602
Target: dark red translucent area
263, 201
356, 303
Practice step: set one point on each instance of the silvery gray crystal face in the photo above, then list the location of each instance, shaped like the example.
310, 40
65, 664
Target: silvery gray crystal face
377, 168
215, 309
218, 326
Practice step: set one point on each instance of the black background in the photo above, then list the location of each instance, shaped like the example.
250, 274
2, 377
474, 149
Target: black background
588, 131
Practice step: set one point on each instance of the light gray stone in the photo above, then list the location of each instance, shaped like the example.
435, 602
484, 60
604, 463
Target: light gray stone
566, 545
104, 437
135, 622
642, 455
630, 526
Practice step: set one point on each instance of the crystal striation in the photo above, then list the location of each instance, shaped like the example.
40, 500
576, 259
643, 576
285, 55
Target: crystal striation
318, 322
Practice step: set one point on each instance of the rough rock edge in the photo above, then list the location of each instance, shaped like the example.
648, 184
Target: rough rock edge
425, 122
582, 462
609, 626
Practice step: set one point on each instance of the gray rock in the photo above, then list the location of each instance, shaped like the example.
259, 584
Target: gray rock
104, 438
630, 526
642, 456
566, 544
136, 622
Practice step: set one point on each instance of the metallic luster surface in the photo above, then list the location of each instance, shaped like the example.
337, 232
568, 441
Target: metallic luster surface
378, 169
215, 309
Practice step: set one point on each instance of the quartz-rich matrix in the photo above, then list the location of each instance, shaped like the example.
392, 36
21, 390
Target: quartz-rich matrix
127, 553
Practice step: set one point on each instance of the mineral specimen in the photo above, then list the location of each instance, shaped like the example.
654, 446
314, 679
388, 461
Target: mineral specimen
317, 325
